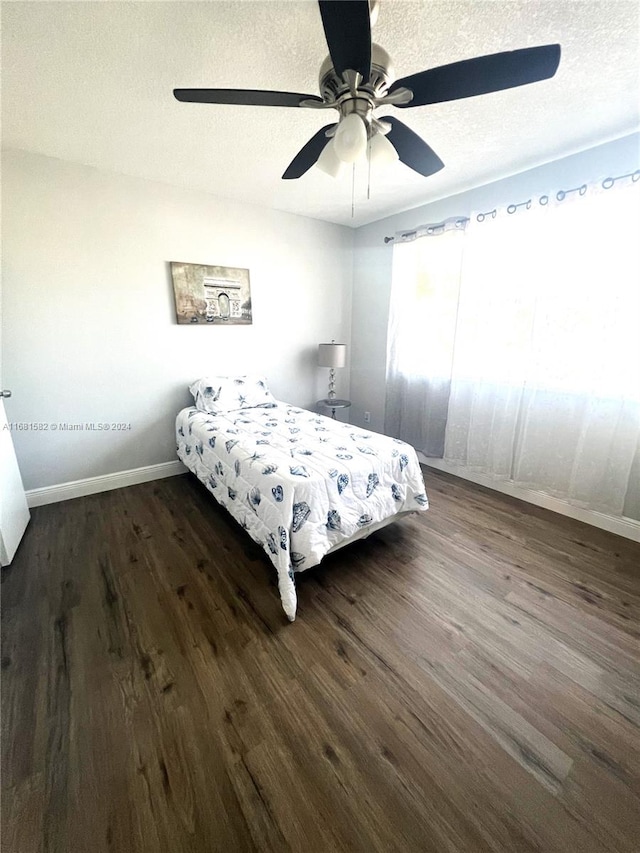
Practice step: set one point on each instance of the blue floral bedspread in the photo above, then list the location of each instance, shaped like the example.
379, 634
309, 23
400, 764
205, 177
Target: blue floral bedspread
298, 482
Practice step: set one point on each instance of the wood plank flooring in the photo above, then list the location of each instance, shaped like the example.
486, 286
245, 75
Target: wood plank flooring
465, 680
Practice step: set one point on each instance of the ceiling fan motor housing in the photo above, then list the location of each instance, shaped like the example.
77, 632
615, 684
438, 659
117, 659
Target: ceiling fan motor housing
332, 87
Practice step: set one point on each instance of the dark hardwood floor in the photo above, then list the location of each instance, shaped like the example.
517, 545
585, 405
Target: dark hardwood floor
465, 680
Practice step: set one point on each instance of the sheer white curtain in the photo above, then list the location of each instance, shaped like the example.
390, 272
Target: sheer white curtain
422, 324
544, 384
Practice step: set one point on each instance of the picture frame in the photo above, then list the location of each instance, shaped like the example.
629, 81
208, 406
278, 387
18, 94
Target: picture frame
211, 295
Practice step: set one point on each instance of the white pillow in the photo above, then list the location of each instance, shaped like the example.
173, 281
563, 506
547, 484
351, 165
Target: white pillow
220, 394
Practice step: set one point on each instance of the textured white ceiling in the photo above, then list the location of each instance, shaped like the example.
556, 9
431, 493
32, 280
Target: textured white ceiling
92, 82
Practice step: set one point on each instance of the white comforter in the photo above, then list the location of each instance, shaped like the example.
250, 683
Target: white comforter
298, 482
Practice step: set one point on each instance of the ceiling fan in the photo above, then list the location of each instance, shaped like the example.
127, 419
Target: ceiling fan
357, 78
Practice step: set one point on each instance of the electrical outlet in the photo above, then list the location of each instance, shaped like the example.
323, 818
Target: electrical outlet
367, 417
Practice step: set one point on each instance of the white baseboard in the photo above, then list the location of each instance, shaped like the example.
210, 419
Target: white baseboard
627, 527
103, 483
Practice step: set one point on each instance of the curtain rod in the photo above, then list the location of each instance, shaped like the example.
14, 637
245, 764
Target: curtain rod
453, 223
460, 221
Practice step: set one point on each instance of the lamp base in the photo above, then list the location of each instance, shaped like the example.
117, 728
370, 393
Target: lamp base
332, 384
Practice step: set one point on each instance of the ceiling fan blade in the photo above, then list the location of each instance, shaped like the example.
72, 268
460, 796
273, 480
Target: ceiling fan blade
412, 150
308, 154
249, 97
481, 75
347, 28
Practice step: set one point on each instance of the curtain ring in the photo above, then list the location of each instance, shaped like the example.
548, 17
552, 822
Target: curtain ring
512, 208
582, 189
482, 216
544, 199
560, 195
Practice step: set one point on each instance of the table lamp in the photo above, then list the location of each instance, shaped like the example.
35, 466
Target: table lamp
332, 355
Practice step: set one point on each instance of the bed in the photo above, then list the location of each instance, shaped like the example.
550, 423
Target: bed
301, 484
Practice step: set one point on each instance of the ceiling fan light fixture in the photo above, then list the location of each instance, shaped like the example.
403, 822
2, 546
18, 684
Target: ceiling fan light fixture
350, 141
381, 151
329, 162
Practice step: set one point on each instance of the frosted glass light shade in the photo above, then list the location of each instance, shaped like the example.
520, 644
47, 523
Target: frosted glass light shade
329, 162
350, 141
332, 355
381, 151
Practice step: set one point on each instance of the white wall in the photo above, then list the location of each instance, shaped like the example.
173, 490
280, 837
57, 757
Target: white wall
372, 257
89, 320
89, 329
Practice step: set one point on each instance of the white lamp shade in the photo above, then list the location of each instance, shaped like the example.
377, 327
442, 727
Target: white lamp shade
329, 162
332, 355
381, 151
350, 141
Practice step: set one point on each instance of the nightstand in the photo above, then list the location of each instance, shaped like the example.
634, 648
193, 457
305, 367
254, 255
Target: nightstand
334, 404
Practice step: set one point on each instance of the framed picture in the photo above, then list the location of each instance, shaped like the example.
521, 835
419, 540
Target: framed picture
209, 294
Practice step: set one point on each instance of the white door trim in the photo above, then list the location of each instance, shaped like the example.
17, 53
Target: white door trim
14, 512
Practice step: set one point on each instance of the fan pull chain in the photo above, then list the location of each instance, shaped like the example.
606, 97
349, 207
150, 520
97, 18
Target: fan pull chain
369, 171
